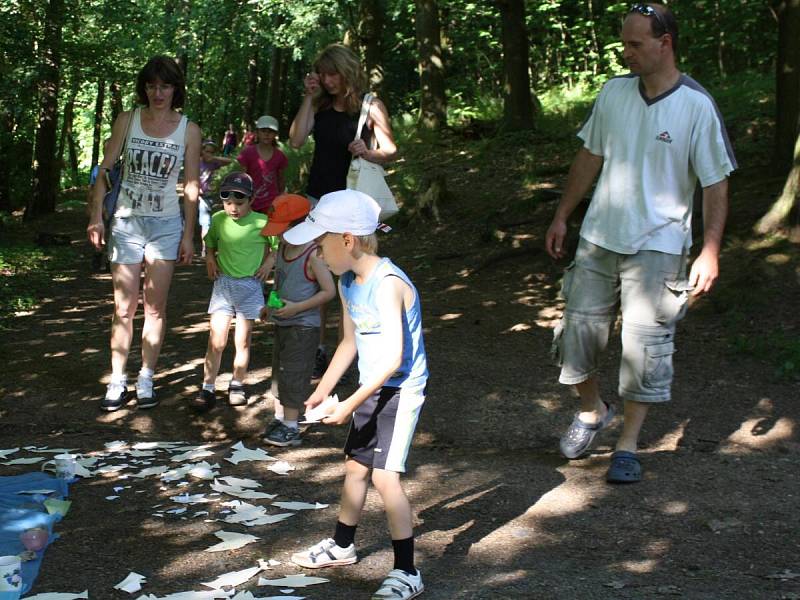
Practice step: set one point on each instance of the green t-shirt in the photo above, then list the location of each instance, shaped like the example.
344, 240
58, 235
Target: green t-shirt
239, 243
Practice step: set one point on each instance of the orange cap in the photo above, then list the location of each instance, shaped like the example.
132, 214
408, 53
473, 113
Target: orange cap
286, 209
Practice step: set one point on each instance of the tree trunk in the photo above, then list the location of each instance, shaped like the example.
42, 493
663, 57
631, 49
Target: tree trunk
371, 21
274, 96
98, 121
67, 139
779, 214
263, 79
252, 85
6, 128
787, 83
517, 103
116, 101
45, 168
433, 103
284, 75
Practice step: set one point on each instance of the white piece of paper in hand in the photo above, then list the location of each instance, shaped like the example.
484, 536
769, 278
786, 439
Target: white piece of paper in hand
321, 410
231, 541
132, 583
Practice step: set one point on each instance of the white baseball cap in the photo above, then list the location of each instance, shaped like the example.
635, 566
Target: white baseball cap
345, 211
267, 122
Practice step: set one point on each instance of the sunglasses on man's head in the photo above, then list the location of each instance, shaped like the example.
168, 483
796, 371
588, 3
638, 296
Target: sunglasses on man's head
648, 11
237, 195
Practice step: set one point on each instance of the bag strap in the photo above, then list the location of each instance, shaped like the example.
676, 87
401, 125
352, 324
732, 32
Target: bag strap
362, 118
127, 133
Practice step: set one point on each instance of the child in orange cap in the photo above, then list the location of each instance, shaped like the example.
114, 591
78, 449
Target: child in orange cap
303, 283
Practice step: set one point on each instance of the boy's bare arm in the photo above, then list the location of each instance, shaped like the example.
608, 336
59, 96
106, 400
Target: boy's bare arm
390, 297
341, 360
262, 274
211, 263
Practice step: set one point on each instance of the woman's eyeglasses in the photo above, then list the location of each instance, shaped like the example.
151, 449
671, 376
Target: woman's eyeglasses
648, 11
237, 195
158, 87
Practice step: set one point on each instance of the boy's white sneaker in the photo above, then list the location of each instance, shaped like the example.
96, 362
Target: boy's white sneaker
400, 585
325, 554
144, 393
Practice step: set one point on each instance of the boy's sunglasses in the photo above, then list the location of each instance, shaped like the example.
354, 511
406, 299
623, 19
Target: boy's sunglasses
648, 11
238, 195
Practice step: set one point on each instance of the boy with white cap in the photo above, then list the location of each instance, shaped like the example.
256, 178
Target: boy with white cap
382, 322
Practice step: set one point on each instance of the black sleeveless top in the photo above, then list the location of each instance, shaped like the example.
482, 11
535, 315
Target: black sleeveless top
333, 132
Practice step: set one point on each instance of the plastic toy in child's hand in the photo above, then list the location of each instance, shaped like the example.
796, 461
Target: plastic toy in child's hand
274, 300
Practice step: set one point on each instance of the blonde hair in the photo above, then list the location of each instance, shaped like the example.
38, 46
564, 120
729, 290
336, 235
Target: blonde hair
368, 243
340, 59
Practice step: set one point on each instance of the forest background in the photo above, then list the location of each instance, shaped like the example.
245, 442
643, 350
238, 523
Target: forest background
493, 73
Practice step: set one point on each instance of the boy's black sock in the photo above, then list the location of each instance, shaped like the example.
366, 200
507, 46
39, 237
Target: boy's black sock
404, 555
344, 535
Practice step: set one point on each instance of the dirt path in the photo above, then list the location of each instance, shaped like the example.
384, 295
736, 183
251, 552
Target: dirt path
499, 513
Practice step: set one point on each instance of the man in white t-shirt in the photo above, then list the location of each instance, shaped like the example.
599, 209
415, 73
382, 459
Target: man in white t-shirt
651, 135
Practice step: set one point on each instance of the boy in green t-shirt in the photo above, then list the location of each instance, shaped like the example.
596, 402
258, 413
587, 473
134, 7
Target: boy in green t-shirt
238, 259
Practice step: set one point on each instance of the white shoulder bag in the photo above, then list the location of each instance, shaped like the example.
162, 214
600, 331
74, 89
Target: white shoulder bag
369, 177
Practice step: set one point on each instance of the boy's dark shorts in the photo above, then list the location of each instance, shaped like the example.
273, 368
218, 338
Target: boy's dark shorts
293, 353
383, 427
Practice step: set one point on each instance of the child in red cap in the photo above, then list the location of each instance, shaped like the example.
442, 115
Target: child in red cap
303, 283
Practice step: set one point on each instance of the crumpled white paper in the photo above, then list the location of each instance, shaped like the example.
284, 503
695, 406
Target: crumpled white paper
281, 467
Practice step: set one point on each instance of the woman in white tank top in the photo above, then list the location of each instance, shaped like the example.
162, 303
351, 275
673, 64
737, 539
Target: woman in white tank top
147, 227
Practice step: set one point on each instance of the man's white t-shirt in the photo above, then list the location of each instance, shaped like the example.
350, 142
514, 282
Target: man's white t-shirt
654, 153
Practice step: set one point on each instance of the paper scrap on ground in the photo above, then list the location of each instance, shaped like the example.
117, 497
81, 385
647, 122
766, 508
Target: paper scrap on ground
201, 470
25, 461
299, 505
115, 446
249, 596
193, 454
150, 471
268, 564
281, 467
132, 583
321, 410
267, 519
8, 451
233, 578
292, 581
44, 492
239, 492
60, 507
190, 499
111, 497
231, 541
241, 454
205, 595
59, 596
240, 482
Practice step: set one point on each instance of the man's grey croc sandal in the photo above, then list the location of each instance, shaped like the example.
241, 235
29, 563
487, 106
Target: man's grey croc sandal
580, 436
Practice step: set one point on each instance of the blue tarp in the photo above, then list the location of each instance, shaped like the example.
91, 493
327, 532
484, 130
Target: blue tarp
19, 512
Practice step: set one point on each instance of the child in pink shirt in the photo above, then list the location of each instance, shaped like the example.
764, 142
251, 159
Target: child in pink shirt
265, 163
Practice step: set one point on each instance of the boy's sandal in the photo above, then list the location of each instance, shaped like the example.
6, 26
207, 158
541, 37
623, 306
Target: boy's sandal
579, 436
625, 468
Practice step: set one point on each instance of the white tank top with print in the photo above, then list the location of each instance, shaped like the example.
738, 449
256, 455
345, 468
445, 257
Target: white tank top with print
152, 166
